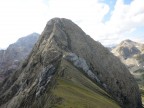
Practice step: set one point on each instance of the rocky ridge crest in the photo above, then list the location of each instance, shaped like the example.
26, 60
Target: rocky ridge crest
64, 40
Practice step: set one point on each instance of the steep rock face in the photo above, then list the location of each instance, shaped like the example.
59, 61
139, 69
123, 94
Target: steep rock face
11, 58
63, 41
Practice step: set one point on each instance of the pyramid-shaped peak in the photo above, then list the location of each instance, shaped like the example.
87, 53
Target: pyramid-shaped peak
64, 33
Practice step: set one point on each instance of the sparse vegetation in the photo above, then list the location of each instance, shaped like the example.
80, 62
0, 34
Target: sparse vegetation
78, 91
142, 94
76, 96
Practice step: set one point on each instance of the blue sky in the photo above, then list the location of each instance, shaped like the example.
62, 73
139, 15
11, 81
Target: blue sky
107, 21
111, 4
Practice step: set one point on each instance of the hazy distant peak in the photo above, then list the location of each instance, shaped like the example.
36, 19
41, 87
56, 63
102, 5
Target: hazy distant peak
128, 48
17, 51
29, 37
127, 42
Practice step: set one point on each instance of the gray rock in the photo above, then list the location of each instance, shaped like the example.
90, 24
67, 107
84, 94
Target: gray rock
81, 63
11, 58
44, 79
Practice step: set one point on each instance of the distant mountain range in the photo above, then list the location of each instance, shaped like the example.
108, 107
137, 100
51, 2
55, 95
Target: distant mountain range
14, 55
132, 55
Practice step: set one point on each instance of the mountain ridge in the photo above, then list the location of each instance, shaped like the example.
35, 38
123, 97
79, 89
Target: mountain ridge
63, 49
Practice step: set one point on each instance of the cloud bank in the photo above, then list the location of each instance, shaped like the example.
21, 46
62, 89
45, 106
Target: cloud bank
19, 18
124, 19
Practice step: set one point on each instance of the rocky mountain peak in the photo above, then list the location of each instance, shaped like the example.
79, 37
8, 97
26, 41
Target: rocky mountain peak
31, 38
62, 48
12, 57
127, 49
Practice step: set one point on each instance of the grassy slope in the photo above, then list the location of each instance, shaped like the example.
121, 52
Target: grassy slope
77, 91
142, 94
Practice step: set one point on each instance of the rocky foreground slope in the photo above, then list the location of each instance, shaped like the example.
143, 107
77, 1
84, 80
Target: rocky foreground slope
67, 68
11, 58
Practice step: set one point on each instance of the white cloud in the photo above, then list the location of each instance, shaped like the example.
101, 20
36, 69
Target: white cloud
124, 19
89, 15
21, 17
78, 9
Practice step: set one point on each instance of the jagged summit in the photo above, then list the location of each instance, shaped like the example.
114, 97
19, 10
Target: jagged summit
67, 60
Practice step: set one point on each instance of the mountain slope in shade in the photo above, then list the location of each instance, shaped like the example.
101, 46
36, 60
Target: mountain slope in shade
67, 68
11, 58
